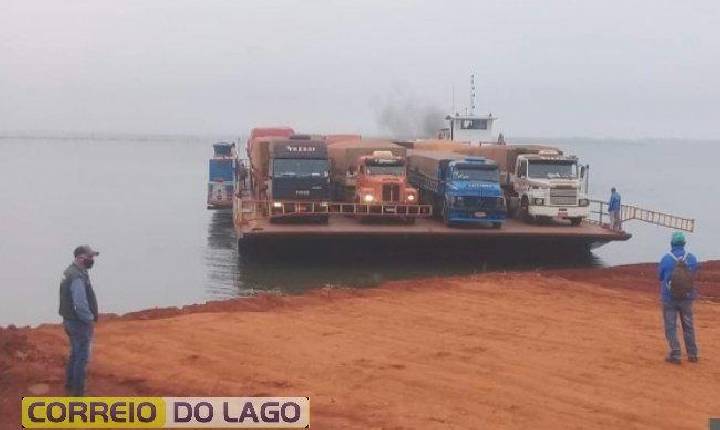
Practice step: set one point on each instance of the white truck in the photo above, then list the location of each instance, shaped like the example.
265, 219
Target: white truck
540, 182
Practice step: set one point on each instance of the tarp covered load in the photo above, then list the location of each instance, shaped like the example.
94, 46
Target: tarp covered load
439, 145
344, 156
505, 155
332, 139
427, 162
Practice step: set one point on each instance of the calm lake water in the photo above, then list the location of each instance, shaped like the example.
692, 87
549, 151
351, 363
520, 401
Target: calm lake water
141, 202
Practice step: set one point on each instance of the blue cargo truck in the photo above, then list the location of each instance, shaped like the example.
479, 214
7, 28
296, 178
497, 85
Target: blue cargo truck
462, 189
299, 178
222, 176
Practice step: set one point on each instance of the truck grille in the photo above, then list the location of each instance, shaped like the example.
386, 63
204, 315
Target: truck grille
391, 193
563, 197
485, 203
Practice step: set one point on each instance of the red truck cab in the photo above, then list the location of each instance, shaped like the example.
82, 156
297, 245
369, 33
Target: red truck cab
381, 179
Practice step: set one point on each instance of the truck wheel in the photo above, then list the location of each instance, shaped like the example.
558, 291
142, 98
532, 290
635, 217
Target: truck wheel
496, 225
576, 221
525, 210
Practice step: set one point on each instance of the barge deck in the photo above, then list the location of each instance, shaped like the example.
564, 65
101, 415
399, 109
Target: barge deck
425, 232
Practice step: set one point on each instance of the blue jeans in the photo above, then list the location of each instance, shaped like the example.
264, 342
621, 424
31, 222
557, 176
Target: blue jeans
80, 334
671, 310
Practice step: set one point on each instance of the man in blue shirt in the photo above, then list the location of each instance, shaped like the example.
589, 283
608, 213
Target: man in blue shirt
614, 209
672, 307
79, 309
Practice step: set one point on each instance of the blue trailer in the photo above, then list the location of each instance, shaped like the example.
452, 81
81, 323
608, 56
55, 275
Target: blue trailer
222, 177
462, 189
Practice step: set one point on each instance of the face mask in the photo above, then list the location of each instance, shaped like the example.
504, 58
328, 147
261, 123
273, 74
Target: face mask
89, 263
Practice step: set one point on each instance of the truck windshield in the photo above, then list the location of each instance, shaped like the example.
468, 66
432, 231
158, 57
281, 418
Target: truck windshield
548, 169
475, 174
223, 150
286, 167
386, 170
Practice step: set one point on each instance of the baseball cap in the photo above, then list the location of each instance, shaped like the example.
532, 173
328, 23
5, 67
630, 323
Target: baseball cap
85, 250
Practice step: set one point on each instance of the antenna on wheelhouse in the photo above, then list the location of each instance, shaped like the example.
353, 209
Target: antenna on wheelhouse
472, 93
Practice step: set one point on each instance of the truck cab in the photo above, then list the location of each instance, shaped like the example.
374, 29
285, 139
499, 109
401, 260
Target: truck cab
299, 172
463, 189
381, 178
222, 176
551, 185
473, 192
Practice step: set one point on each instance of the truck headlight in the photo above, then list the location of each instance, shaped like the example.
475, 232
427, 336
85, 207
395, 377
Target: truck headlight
538, 202
411, 198
277, 205
368, 198
584, 202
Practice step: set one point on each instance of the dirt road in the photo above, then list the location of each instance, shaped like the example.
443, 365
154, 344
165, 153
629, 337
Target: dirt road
562, 349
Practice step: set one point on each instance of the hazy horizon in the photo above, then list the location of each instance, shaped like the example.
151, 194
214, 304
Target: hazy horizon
553, 69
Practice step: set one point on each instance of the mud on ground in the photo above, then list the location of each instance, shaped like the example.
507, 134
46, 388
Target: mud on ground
578, 348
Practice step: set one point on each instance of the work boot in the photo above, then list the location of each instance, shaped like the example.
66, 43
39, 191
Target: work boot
672, 360
693, 359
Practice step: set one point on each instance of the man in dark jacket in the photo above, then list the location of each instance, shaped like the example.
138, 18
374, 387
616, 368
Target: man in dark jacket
673, 306
78, 307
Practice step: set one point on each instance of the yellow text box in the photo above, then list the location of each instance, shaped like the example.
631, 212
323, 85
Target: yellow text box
93, 412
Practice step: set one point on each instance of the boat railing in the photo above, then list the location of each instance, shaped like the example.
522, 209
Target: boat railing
599, 215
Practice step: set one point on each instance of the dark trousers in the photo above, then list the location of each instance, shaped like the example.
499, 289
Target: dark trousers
80, 334
671, 311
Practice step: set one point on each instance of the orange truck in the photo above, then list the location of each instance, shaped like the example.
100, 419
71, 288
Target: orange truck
381, 178
371, 173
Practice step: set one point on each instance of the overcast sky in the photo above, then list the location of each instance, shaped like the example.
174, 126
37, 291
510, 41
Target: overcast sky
546, 68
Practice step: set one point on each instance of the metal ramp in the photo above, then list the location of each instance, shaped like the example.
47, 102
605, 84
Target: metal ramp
599, 215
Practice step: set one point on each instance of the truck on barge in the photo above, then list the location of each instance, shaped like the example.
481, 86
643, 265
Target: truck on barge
222, 176
539, 182
293, 175
462, 189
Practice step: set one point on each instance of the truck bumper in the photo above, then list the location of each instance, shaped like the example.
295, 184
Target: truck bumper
220, 195
462, 216
560, 211
298, 209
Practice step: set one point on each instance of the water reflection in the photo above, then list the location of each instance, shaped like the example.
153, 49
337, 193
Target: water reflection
221, 256
360, 265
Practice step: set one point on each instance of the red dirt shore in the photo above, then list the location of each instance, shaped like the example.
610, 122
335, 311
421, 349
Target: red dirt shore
577, 348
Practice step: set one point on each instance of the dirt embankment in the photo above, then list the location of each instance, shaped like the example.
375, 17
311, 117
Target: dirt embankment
558, 349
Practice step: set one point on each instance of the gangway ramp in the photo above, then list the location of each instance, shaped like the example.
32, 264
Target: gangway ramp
599, 215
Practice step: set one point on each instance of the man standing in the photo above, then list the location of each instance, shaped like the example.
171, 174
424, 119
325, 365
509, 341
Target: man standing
614, 209
677, 290
78, 307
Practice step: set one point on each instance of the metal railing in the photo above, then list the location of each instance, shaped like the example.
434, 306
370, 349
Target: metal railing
599, 215
245, 210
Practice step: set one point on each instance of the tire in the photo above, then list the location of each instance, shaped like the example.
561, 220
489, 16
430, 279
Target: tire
525, 211
513, 211
576, 221
497, 225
